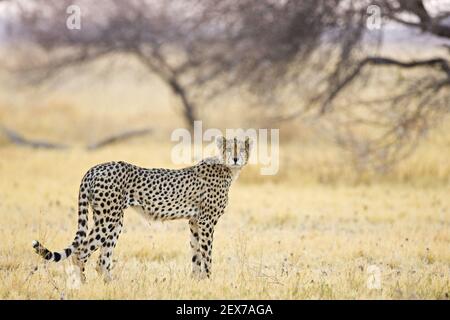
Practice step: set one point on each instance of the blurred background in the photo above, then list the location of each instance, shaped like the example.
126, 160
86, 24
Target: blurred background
360, 86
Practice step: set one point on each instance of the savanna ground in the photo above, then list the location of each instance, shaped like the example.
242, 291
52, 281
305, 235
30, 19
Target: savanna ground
315, 230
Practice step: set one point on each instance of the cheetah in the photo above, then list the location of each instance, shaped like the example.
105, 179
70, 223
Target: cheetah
198, 193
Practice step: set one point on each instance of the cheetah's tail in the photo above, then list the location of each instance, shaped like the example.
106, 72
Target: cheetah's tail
52, 256
79, 237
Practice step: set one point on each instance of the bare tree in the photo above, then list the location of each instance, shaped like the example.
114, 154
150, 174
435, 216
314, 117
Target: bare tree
318, 55
153, 32
324, 53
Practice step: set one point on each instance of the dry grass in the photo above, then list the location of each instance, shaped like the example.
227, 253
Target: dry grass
312, 231
277, 240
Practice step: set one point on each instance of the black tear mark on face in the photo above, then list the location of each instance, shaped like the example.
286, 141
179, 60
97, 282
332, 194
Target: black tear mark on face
235, 149
224, 148
248, 144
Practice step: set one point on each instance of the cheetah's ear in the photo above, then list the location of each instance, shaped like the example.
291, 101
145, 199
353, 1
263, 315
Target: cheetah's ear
221, 142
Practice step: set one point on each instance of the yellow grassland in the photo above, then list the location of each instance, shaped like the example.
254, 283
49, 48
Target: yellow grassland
315, 230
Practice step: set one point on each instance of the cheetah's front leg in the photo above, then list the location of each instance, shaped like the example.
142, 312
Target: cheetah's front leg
195, 247
206, 232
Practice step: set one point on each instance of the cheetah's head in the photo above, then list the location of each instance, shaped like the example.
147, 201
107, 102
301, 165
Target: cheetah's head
234, 152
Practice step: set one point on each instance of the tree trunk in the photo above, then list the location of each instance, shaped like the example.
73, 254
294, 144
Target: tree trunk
189, 108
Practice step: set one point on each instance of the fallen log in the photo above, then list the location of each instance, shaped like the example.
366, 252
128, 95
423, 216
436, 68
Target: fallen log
18, 139
119, 137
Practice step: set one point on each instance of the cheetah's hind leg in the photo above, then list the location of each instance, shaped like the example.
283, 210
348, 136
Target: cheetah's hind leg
79, 267
104, 262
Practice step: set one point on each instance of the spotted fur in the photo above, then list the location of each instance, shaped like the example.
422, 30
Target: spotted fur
198, 194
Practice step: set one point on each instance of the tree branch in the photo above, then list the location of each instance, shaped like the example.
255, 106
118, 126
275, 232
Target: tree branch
172, 79
426, 22
439, 63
